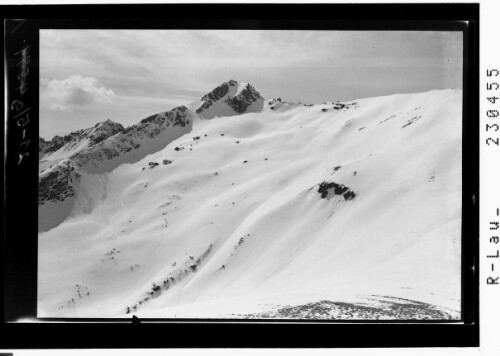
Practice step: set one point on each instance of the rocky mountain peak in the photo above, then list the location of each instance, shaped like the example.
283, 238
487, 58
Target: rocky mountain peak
103, 130
233, 95
94, 135
216, 94
245, 96
108, 124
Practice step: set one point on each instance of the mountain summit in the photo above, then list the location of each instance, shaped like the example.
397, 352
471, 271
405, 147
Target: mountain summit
69, 144
229, 99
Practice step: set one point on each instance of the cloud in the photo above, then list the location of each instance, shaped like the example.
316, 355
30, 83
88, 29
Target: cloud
73, 93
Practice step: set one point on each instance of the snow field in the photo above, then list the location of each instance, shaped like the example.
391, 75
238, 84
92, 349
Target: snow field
248, 187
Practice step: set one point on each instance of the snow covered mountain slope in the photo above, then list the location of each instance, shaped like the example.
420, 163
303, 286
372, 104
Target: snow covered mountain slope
351, 206
102, 148
68, 176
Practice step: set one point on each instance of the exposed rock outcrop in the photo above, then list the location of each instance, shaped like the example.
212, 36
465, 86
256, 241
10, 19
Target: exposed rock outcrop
229, 99
244, 99
329, 189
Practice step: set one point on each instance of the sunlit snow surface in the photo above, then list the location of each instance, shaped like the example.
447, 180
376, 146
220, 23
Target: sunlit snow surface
234, 226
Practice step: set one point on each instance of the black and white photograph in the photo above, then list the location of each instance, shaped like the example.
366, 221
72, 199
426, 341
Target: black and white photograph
255, 176
250, 174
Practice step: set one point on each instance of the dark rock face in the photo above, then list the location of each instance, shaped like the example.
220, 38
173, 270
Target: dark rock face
244, 99
58, 184
104, 130
239, 103
57, 142
177, 116
95, 134
214, 95
337, 189
349, 195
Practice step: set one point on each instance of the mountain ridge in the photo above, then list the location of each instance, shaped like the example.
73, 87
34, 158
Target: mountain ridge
103, 147
95, 134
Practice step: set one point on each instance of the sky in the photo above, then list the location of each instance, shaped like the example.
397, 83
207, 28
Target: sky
88, 76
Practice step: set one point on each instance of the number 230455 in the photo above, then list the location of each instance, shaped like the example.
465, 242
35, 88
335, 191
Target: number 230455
492, 87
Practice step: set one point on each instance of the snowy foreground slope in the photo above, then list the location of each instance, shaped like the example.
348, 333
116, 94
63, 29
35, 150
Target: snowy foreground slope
339, 210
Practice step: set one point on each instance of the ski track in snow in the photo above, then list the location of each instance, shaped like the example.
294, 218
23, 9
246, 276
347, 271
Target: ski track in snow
245, 189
